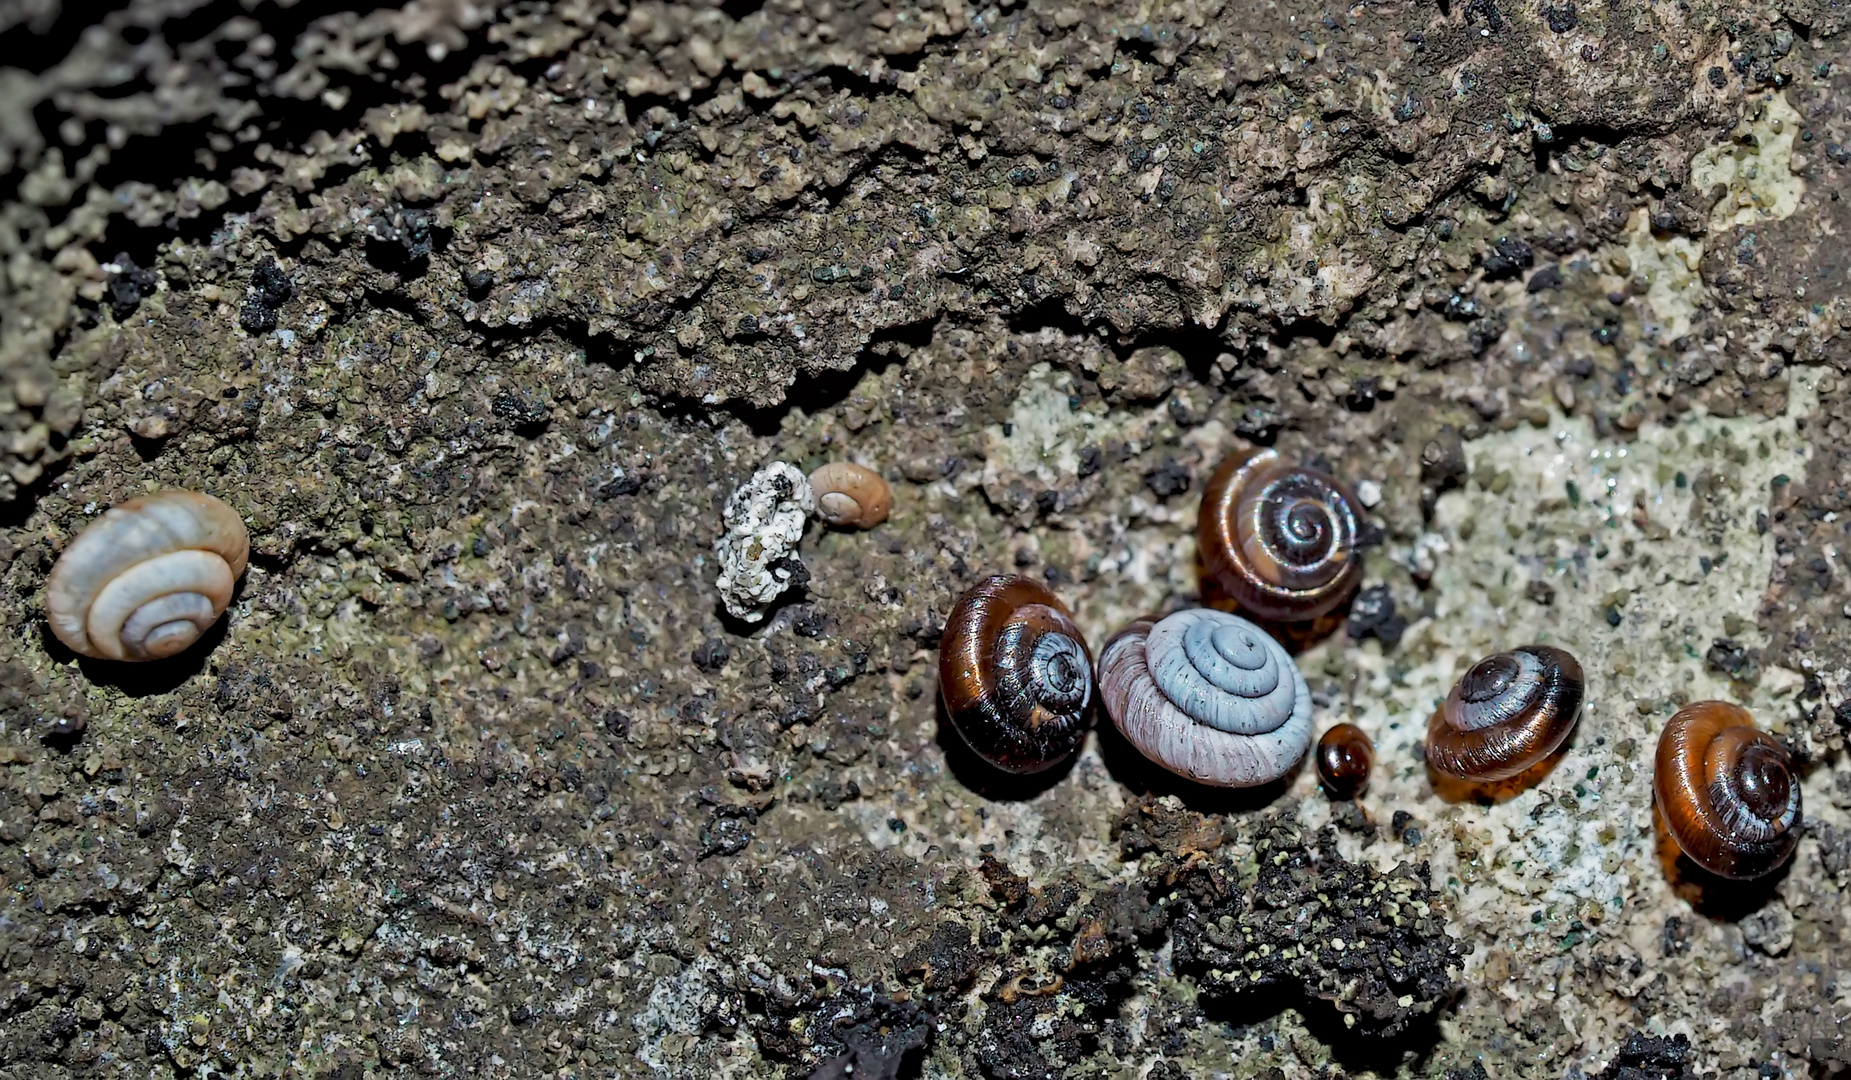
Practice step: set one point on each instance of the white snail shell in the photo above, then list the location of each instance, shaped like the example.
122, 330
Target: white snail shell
1209, 696
148, 577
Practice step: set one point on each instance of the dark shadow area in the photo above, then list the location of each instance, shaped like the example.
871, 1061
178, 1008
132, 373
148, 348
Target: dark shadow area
164, 159
1712, 895
824, 390
145, 678
1457, 790
139, 679
982, 777
1405, 1052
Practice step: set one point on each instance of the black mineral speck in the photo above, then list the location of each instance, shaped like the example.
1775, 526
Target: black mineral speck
1649, 1057
128, 285
1373, 614
1170, 478
270, 289
711, 655
1508, 257
400, 239
725, 835
1562, 18
1729, 657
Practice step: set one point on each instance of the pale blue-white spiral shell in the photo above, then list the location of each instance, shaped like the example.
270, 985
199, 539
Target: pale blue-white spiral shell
1208, 695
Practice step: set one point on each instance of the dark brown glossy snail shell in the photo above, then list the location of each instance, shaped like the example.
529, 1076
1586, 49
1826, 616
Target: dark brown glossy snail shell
1344, 757
1016, 675
1509, 712
1728, 792
1279, 538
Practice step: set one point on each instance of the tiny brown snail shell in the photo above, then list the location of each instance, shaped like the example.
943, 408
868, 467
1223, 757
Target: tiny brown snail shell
1727, 792
1279, 538
1344, 757
1016, 675
148, 577
851, 496
1508, 713
1207, 695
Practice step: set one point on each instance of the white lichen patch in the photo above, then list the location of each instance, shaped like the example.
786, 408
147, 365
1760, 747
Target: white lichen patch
764, 522
1668, 264
1638, 557
1042, 439
1755, 167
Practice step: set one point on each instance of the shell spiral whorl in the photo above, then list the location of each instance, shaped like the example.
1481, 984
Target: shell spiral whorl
148, 577
1727, 791
1209, 696
1015, 674
850, 495
1279, 538
1510, 711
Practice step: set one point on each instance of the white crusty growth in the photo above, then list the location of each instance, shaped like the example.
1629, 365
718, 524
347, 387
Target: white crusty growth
764, 521
1209, 696
148, 577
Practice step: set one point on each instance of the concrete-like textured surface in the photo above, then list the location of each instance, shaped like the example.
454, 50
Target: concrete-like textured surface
480, 315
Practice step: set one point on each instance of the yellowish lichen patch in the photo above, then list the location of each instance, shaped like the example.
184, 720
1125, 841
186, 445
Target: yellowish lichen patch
1755, 168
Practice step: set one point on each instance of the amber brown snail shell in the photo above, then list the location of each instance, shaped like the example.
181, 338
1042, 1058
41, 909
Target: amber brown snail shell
1509, 712
1016, 674
1727, 792
851, 496
1344, 757
1279, 538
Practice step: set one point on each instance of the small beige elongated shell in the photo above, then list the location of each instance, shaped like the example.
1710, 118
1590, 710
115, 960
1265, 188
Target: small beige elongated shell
850, 495
148, 577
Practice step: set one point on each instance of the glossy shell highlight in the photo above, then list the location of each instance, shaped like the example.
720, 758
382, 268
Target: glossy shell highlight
1209, 696
1727, 791
1510, 711
1344, 757
1016, 674
1279, 538
146, 579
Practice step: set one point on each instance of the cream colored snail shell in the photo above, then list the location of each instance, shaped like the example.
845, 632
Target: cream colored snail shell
851, 496
1209, 696
146, 579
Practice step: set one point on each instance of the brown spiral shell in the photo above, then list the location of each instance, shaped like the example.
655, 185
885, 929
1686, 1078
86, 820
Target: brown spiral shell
1344, 757
1508, 713
1016, 674
1727, 792
1280, 538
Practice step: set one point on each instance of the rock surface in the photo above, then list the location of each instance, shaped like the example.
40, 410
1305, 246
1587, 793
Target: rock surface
479, 315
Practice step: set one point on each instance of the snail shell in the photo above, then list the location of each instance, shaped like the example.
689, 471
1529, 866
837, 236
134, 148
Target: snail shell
1506, 714
1209, 696
1279, 538
1727, 792
148, 577
1016, 675
1344, 757
851, 496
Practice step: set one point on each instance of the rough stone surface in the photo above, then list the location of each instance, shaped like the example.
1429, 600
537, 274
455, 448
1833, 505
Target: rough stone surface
479, 314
